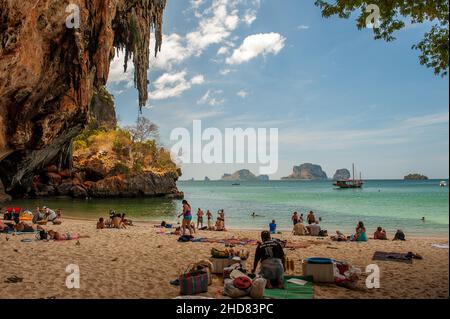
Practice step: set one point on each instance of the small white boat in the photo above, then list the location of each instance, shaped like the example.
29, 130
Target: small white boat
443, 184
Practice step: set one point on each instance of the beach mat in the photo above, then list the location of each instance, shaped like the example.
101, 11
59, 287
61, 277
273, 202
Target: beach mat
292, 291
399, 257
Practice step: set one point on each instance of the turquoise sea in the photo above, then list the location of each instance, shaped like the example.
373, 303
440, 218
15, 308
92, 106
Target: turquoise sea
392, 204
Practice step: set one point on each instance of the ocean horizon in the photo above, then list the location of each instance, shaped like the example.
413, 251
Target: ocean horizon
391, 204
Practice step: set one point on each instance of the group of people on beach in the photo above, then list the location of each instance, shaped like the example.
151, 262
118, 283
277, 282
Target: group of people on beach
18, 220
187, 223
116, 220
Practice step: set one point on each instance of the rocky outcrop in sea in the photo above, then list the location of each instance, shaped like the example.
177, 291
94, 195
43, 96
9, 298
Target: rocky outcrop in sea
244, 175
307, 171
342, 174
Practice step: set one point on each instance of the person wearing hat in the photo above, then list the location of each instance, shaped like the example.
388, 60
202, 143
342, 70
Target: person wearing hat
272, 258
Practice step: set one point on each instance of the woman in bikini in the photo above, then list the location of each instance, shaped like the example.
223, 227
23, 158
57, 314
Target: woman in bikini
187, 217
66, 236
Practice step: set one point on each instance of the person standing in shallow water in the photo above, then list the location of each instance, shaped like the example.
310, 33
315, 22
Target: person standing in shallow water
187, 217
199, 219
295, 218
311, 218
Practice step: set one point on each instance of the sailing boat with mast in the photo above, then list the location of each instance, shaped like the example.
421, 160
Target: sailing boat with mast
350, 183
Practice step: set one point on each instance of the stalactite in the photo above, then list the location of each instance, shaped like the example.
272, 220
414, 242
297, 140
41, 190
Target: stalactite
133, 25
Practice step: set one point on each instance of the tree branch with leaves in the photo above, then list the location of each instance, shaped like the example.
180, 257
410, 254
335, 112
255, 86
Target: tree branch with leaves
394, 14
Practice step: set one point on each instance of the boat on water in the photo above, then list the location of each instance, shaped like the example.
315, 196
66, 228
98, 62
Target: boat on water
443, 184
236, 184
351, 182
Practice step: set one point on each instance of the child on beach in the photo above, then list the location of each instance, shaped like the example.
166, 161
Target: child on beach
101, 223
273, 227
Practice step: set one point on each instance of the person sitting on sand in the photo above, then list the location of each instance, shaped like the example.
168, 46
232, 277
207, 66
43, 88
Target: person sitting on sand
125, 221
101, 223
300, 230
360, 233
66, 236
295, 218
339, 236
311, 218
117, 222
51, 216
37, 216
273, 227
187, 217
380, 234
271, 255
199, 218
3, 227
23, 227
220, 226
314, 229
399, 235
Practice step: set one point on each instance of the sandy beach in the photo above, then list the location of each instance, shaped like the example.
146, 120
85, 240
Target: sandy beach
139, 262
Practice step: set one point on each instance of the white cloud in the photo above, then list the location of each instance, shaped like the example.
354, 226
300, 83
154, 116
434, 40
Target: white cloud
223, 51
117, 74
211, 98
174, 51
255, 45
242, 93
198, 79
225, 71
171, 85
303, 27
249, 18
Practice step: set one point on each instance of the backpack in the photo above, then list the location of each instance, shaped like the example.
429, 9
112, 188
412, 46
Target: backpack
323, 233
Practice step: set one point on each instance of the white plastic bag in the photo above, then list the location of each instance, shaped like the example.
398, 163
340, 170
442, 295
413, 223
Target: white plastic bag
258, 287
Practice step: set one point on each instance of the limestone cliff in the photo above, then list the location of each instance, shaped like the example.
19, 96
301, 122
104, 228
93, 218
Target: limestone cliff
415, 177
48, 73
307, 171
244, 175
342, 174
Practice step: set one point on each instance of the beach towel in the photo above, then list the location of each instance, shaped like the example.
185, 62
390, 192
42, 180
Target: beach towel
400, 257
440, 246
292, 290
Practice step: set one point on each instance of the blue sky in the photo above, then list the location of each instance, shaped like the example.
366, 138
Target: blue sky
336, 95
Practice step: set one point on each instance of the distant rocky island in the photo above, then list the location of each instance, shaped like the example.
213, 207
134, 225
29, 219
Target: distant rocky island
207, 179
342, 174
307, 171
415, 177
244, 175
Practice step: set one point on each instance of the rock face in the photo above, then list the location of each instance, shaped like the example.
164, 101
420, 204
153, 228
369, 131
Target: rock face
416, 177
3, 196
102, 111
342, 174
244, 175
307, 171
49, 72
81, 183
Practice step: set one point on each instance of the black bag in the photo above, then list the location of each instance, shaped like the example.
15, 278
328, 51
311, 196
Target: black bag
43, 235
323, 233
185, 238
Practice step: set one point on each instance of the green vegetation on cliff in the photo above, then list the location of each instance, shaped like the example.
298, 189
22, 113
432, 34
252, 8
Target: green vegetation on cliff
120, 152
